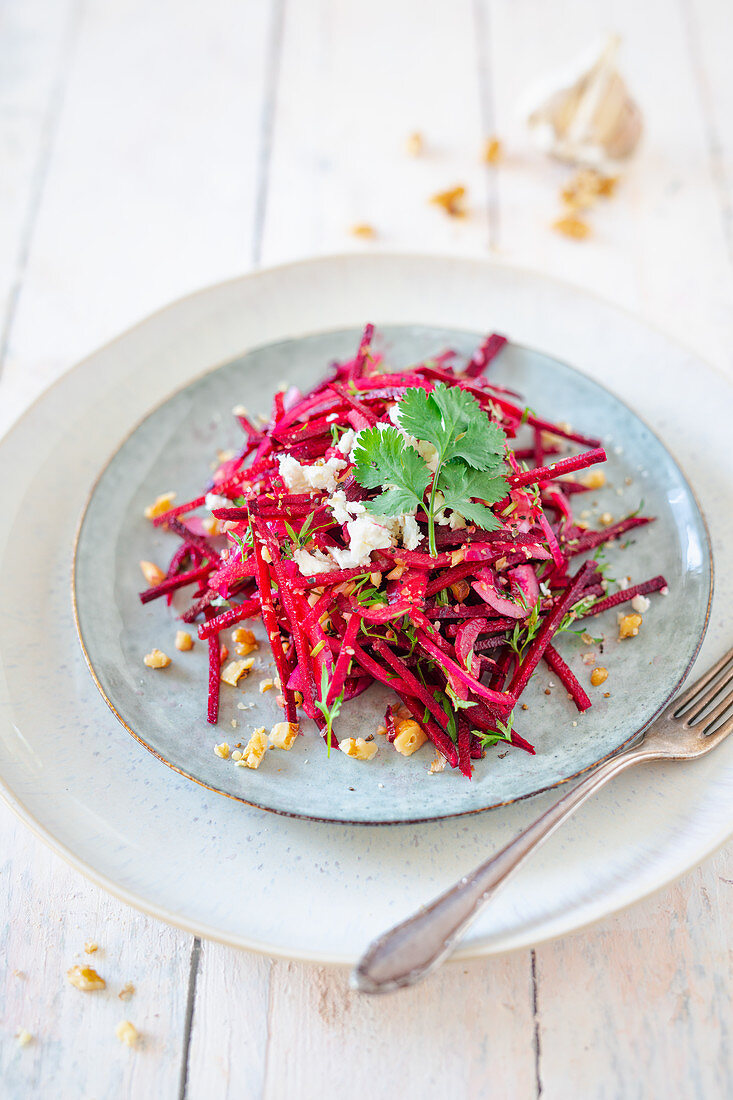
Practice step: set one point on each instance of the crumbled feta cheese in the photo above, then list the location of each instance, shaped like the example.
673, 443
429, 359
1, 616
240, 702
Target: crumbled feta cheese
213, 500
301, 479
342, 509
641, 604
346, 442
365, 535
411, 533
310, 564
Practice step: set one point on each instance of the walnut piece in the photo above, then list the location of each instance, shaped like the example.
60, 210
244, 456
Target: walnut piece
85, 978
156, 659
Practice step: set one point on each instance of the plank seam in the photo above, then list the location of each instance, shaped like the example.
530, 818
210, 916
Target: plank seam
722, 184
482, 30
536, 1044
193, 973
267, 124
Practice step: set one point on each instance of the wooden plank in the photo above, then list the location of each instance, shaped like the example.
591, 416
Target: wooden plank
657, 246
50, 912
35, 44
467, 1031
640, 1006
228, 1041
353, 86
151, 190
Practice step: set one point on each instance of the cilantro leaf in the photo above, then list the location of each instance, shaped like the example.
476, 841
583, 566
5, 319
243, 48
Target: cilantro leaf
460, 484
383, 458
453, 421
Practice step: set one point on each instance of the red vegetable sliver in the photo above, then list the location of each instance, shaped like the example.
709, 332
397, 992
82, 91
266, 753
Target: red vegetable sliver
464, 747
566, 677
500, 699
245, 610
212, 710
270, 623
344, 658
487, 350
562, 466
549, 626
653, 585
590, 539
179, 581
179, 510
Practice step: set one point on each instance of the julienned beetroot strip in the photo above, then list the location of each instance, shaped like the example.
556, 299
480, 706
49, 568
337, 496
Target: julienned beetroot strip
454, 623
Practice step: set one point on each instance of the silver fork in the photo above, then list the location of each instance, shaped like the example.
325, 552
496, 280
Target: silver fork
691, 725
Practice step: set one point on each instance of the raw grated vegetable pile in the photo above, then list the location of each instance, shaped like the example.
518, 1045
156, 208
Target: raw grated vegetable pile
383, 528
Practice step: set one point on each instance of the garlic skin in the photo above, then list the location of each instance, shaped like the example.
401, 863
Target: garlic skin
589, 118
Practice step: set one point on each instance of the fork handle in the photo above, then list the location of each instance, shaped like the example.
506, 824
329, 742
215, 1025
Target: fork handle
410, 950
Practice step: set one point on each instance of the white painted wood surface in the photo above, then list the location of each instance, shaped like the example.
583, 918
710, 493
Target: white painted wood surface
148, 149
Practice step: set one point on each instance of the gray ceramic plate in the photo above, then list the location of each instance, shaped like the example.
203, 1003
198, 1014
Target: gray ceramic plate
174, 447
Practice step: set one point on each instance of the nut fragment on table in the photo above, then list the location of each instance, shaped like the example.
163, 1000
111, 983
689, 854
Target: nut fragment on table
127, 1033
571, 226
363, 230
85, 978
492, 151
414, 144
452, 201
184, 641
91, 946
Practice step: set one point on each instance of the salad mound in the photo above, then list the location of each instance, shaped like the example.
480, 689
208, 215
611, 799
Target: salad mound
384, 527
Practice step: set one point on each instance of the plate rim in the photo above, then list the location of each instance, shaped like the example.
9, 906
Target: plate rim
456, 814
661, 878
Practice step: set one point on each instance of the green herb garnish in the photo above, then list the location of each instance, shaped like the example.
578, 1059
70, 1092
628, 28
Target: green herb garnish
470, 459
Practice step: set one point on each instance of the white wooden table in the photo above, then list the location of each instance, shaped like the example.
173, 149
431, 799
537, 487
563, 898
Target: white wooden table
151, 148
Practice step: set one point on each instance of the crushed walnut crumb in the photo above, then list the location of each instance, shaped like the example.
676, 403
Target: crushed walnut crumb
571, 226
266, 685
156, 659
585, 188
127, 1033
414, 144
91, 946
85, 978
598, 676
153, 573
23, 1037
452, 201
493, 151
161, 504
254, 750
364, 231
358, 748
235, 670
184, 641
222, 750
126, 992
628, 626
283, 734
437, 764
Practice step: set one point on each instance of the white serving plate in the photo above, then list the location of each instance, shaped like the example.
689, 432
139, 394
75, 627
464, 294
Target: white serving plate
298, 888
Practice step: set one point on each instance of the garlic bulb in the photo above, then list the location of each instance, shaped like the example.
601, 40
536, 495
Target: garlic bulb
589, 118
